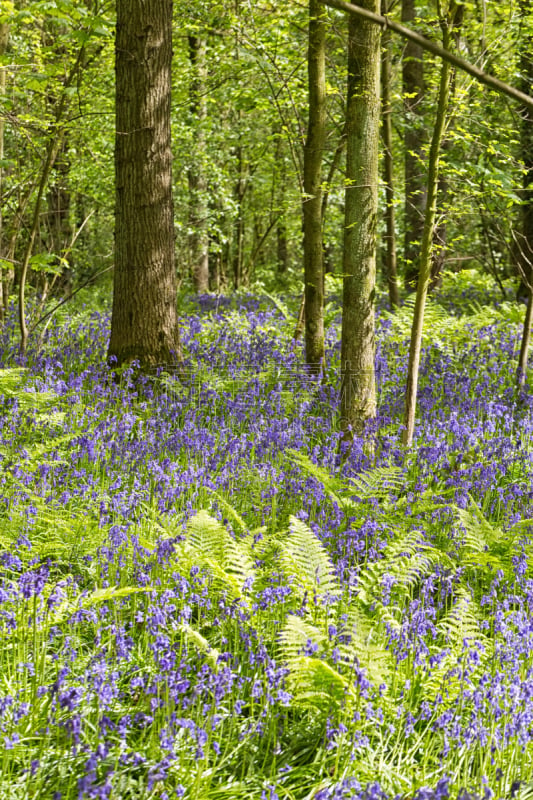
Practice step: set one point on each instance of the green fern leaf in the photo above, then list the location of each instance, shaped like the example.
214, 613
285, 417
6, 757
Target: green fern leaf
304, 558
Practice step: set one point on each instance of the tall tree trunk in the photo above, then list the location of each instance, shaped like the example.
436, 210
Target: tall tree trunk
198, 237
526, 147
4, 38
58, 217
440, 233
238, 228
358, 388
414, 140
144, 323
388, 167
427, 246
312, 200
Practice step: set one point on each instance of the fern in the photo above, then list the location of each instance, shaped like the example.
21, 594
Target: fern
305, 559
211, 546
348, 495
487, 548
13, 385
459, 628
407, 559
311, 680
364, 644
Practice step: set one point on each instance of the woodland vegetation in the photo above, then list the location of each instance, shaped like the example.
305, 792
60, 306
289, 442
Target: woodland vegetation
266, 441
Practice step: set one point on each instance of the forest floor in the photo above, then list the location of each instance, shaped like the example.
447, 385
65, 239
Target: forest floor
197, 601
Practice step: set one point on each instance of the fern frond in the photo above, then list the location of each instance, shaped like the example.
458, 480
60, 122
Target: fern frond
365, 644
378, 482
331, 485
460, 627
304, 558
227, 559
407, 559
311, 680
296, 634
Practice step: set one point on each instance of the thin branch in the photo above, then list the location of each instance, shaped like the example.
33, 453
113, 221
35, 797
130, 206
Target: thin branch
66, 299
482, 77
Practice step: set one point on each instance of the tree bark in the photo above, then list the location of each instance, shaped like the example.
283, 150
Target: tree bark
144, 323
526, 147
198, 236
388, 168
4, 38
238, 226
58, 216
312, 200
414, 140
426, 248
358, 390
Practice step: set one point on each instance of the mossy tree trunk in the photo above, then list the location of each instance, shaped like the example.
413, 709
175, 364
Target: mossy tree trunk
388, 168
198, 207
358, 390
312, 200
414, 140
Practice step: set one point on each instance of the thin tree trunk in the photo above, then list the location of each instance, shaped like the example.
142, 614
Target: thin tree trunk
312, 200
58, 217
426, 249
144, 322
358, 388
238, 238
4, 38
198, 216
388, 165
440, 234
54, 146
414, 141
521, 372
526, 146
300, 322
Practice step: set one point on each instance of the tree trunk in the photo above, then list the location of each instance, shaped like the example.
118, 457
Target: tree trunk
58, 217
198, 237
282, 252
414, 139
426, 249
358, 389
238, 228
440, 234
388, 167
144, 323
526, 147
4, 38
312, 200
